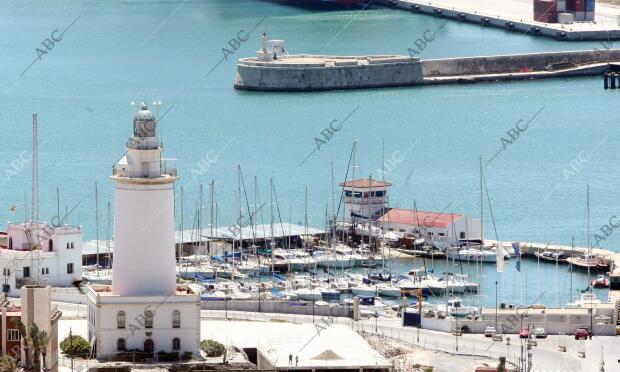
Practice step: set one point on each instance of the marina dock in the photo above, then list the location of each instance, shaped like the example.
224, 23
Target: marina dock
516, 16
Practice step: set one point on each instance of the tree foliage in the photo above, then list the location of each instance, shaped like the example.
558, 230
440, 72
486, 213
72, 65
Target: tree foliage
212, 348
75, 346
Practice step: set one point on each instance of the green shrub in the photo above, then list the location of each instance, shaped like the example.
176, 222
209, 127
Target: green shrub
212, 348
187, 355
75, 346
162, 356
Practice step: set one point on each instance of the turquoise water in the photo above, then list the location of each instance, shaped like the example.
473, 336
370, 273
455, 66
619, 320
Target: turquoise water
119, 51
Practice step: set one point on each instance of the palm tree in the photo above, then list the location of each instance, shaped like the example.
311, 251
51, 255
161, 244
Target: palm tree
43, 340
26, 340
34, 332
9, 364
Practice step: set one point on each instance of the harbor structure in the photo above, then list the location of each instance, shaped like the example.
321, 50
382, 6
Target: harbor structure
39, 253
143, 309
303, 72
366, 199
434, 225
568, 20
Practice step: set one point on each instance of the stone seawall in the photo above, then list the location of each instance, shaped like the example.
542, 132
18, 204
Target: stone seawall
329, 73
514, 62
317, 73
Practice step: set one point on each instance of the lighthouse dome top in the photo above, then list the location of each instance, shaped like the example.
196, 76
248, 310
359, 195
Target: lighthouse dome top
144, 122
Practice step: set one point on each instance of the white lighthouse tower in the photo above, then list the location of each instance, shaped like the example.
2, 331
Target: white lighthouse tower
143, 309
144, 259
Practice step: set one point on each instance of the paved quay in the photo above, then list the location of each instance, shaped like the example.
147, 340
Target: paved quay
517, 16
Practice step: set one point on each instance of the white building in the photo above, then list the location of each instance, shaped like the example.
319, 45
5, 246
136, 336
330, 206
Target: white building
143, 308
437, 226
366, 199
37, 253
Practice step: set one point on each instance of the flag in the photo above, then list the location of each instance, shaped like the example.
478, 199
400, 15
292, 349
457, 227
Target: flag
500, 259
515, 246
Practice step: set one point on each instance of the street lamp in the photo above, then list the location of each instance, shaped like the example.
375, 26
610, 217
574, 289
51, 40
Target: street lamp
496, 304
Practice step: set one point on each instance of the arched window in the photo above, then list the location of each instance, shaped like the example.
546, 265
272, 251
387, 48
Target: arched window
120, 344
10, 243
149, 346
120, 319
50, 245
148, 319
72, 246
176, 344
176, 319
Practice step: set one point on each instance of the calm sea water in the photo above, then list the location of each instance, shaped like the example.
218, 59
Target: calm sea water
118, 51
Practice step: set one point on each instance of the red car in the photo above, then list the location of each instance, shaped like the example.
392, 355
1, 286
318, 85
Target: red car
582, 334
524, 333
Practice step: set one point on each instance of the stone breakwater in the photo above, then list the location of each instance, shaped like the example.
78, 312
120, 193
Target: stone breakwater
317, 73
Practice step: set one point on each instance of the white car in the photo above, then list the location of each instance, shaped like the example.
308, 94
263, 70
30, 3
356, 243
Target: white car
540, 332
490, 331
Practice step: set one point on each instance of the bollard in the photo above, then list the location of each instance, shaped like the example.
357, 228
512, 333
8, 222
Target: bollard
606, 81
612, 79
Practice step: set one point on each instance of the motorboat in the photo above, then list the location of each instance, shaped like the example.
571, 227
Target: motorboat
588, 261
587, 300
601, 281
309, 294
388, 290
364, 290
456, 308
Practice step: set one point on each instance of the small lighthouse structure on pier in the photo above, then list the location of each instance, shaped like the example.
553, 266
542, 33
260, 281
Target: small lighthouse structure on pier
144, 308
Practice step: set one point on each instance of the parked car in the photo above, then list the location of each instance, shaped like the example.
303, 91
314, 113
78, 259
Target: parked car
582, 334
540, 332
465, 329
524, 333
490, 331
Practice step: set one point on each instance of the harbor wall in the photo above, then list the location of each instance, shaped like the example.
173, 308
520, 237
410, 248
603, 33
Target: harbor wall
322, 73
550, 30
327, 75
280, 307
514, 62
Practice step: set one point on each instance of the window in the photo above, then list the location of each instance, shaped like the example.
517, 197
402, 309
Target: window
68, 246
402, 230
148, 319
442, 234
6, 271
10, 243
120, 344
176, 319
357, 194
379, 194
26, 271
45, 271
14, 335
120, 320
176, 344
72, 246
70, 268
50, 245
348, 193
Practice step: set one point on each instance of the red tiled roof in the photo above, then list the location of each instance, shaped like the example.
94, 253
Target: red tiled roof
365, 183
421, 218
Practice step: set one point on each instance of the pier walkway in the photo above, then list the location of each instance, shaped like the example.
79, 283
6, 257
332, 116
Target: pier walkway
517, 16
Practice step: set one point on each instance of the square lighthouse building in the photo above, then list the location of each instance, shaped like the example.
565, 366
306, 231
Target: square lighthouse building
143, 309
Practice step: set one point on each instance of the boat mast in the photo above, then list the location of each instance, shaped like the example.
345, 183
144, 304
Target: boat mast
271, 245
481, 208
240, 244
97, 224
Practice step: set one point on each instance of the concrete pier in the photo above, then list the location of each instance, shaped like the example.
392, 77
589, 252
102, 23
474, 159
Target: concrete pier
516, 16
316, 73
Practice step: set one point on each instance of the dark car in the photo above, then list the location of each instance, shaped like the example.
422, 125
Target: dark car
582, 334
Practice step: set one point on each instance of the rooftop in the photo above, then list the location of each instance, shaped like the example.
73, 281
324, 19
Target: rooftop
334, 346
365, 183
419, 218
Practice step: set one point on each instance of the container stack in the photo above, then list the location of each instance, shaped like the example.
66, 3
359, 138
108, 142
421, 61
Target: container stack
564, 11
546, 11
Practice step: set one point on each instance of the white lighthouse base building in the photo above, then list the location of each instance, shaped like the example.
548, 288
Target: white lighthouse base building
147, 324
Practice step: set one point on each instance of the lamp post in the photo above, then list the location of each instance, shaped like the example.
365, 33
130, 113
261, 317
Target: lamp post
496, 304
